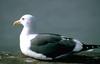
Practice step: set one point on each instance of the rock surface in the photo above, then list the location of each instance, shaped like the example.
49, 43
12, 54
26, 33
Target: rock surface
84, 57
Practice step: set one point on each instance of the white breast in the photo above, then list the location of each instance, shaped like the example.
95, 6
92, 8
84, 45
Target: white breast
25, 42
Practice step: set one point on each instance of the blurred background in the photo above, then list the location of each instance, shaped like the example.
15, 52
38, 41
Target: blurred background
79, 19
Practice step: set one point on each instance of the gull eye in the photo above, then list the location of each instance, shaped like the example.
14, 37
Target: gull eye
23, 18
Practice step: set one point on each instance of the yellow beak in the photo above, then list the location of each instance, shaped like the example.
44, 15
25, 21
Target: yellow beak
16, 23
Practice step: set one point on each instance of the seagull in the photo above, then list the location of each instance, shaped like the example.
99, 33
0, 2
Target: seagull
46, 46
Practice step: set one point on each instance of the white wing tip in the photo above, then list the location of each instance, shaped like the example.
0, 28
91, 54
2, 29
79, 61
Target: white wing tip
90, 50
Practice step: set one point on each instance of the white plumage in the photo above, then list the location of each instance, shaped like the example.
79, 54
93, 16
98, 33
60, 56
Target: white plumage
44, 46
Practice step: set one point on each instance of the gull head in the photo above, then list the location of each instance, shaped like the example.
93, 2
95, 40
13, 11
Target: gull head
25, 20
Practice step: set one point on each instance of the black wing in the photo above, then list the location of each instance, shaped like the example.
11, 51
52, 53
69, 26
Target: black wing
51, 45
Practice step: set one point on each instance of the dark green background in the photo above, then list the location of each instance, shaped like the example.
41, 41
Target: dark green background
79, 19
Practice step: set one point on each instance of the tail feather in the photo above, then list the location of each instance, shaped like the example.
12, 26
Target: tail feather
87, 47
